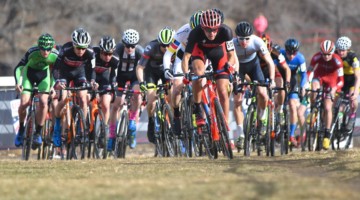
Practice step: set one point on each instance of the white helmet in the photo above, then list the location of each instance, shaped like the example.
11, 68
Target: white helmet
107, 44
130, 36
81, 38
343, 43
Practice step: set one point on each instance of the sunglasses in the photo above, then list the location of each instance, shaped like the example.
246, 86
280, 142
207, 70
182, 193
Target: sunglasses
45, 49
291, 52
130, 46
211, 30
244, 38
107, 54
81, 48
326, 54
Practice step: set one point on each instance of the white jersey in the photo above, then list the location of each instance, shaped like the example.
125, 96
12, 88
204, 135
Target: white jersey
256, 44
179, 43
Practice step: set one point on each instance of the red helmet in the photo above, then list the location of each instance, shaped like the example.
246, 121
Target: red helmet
267, 40
327, 47
210, 19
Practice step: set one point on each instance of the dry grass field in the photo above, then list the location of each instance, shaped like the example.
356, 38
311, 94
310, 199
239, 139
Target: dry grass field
299, 175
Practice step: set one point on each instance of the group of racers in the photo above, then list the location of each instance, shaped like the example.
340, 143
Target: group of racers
173, 55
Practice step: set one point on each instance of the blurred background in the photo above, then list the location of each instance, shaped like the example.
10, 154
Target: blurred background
310, 21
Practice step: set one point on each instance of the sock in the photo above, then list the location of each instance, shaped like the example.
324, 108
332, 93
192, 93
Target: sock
57, 123
38, 129
327, 133
22, 127
240, 130
112, 130
177, 113
133, 115
352, 115
292, 130
263, 114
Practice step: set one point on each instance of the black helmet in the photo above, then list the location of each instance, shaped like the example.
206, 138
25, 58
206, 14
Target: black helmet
220, 13
292, 45
244, 29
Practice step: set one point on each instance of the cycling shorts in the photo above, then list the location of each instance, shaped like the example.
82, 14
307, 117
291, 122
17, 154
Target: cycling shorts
42, 79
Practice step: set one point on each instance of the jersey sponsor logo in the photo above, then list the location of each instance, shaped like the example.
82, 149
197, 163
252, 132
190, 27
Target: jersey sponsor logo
341, 72
229, 45
100, 69
184, 31
73, 63
148, 48
264, 50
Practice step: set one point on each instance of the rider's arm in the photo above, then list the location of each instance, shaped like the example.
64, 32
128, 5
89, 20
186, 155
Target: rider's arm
270, 63
20, 66
185, 62
285, 66
169, 53
356, 67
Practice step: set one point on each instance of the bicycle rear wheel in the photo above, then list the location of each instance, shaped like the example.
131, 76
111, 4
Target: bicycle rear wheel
122, 135
79, 141
187, 128
250, 121
270, 133
28, 136
312, 136
47, 146
224, 135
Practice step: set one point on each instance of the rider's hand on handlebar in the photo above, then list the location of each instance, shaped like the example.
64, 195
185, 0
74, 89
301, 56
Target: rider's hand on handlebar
168, 75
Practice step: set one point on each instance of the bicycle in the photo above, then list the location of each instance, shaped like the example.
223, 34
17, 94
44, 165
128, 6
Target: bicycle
98, 136
30, 124
76, 138
282, 126
251, 128
47, 151
214, 134
314, 133
341, 118
122, 133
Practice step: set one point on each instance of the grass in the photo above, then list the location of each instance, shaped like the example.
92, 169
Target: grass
309, 175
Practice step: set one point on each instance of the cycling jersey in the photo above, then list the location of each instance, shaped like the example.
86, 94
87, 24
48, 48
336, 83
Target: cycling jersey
350, 63
215, 50
330, 72
248, 58
34, 68
178, 47
278, 59
127, 64
152, 60
70, 67
297, 66
105, 71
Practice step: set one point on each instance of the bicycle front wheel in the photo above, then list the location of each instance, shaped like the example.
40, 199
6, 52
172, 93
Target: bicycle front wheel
100, 137
28, 136
249, 128
79, 141
170, 140
122, 135
222, 126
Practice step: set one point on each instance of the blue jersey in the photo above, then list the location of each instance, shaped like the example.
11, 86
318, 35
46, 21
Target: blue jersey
296, 65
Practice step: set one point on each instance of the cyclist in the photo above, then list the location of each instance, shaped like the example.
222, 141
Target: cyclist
34, 68
75, 62
351, 76
282, 70
105, 66
327, 69
211, 40
247, 45
151, 70
297, 64
178, 47
129, 53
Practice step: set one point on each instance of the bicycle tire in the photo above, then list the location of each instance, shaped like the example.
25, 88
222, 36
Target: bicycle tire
159, 137
224, 135
47, 146
312, 136
28, 135
169, 136
100, 137
269, 140
187, 128
249, 128
79, 143
121, 140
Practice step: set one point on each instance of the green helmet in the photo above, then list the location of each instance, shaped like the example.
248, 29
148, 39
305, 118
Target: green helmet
46, 42
195, 19
166, 35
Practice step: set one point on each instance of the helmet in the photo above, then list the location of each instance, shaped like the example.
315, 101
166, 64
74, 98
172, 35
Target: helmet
107, 44
327, 47
81, 38
343, 43
166, 35
292, 45
195, 19
210, 19
267, 40
220, 13
46, 41
130, 36
244, 29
